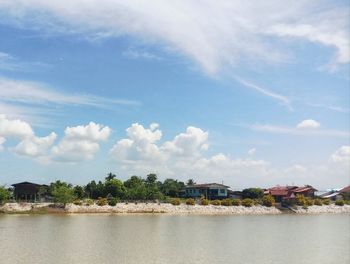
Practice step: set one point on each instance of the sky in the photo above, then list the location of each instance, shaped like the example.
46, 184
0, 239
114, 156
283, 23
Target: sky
245, 93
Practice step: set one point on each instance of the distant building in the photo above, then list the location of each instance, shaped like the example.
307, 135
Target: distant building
345, 192
27, 191
210, 191
281, 193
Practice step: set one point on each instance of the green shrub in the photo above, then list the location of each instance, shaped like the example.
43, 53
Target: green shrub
309, 201
247, 202
347, 202
113, 201
300, 200
268, 200
236, 202
175, 201
215, 202
4, 194
339, 202
204, 201
102, 201
326, 201
226, 202
190, 201
77, 202
318, 202
89, 202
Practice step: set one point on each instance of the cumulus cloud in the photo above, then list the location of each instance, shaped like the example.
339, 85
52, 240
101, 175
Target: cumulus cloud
308, 124
251, 151
80, 143
213, 34
14, 128
342, 155
35, 146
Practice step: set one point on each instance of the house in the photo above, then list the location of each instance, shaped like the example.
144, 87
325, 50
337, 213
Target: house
281, 193
235, 194
210, 191
27, 191
332, 195
345, 193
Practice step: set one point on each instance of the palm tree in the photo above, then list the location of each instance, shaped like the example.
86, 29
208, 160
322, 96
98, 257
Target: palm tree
110, 176
190, 182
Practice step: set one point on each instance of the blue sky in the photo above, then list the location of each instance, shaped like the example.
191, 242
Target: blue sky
246, 93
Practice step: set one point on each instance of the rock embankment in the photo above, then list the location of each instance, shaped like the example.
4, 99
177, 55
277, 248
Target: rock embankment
334, 209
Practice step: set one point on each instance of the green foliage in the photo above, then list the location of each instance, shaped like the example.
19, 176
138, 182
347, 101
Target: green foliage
300, 200
4, 194
152, 189
309, 201
115, 188
79, 192
318, 202
326, 201
253, 193
236, 202
190, 182
175, 201
110, 176
89, 202
171, 187
113, 201
77, 202
190, 201
339, 202
63, 194
268, 200
226, 202
215, 202
347, 202
102, 201
204, 201
247, 202
94, 190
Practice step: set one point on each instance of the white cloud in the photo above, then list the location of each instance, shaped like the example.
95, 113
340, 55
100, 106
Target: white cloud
14, 128
27, 92
299, 132
35, 146
2, 141
213, 34
251, 151
136, 54
342, 155
308, 124
80, 143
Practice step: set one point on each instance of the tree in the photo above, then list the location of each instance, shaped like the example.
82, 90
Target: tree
190, 182
152, 187
56, 184
110, 176
253, 193
4, 194
63, 194
135, 188
171, 187
115, 188
79, 192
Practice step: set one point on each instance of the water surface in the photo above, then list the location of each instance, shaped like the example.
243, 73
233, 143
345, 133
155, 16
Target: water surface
175, 239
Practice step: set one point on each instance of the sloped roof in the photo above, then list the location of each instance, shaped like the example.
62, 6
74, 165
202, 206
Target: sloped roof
26, 183
345, 189
207, 185
304, 189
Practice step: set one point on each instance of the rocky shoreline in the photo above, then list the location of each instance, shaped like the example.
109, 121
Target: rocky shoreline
164, 208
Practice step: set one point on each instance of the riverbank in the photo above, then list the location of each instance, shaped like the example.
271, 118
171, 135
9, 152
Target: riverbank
163, 208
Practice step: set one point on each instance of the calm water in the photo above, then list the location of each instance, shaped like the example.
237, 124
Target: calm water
174, 239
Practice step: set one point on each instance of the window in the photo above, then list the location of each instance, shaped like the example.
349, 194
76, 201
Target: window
222, 190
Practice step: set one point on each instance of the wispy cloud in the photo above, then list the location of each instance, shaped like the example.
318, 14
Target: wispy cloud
139, 54
37, 102
284, 100
213, 34
299, 132
11, 63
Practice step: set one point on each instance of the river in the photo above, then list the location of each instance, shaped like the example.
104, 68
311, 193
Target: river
175, 239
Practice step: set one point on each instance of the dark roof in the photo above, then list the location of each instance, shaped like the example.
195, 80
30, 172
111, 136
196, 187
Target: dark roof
26, 183
207, 185
304, 189
345, 189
